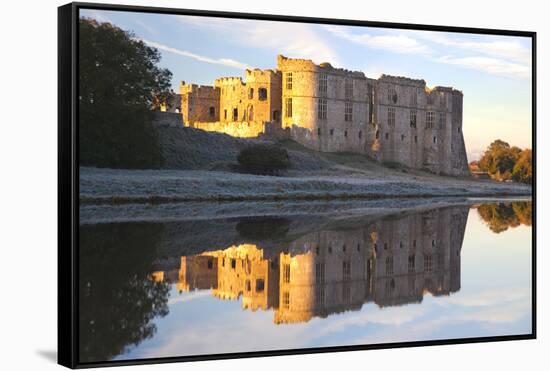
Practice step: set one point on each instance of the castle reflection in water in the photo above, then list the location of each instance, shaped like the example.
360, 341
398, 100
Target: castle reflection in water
389, 262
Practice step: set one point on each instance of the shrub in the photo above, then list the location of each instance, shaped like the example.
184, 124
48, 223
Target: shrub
264, 159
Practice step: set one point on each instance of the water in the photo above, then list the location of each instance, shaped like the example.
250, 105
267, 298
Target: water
303, 281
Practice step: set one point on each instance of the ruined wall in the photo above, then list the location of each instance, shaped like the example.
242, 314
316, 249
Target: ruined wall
459, 160
241, 129
199, 103
400, 109
325, 108
418, 254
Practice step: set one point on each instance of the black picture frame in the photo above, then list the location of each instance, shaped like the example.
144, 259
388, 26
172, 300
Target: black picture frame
68, 182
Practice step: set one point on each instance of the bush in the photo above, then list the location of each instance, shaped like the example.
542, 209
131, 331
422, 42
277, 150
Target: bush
264, 159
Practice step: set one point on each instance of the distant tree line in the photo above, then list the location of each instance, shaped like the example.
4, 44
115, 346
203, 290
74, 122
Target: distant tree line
119, 78
504, 162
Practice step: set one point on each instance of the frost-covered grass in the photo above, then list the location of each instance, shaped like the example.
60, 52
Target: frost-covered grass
158, 186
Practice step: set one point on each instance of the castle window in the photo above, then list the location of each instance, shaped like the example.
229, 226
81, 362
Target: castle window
430, 119
415, 139
262, 93
319, 131
223, 262
320, 273
435, 140
289, 81
247, 285
320, 295
389, 266
260, 285
441, 120
331, 131
387, 136
212, 111
428, 263
225, 114
392, 95
411, 263
414, 98
286, 300
323, 84
413, 118
235, 114
391, 117
322, 109
251, 93
209, 264
402, 137
286, 273
346, 270
390, 286
360, 134
348, 111
433, 243
345, 133
288, 107
233, 263
348, 89
377, 134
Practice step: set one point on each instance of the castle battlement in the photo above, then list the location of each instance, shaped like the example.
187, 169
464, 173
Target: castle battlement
228, 81
402, 80
285, 63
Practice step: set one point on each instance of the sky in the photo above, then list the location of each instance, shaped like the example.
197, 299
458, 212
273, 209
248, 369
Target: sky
493, 72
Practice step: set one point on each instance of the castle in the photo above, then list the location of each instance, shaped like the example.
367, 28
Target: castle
390, 119
392, 261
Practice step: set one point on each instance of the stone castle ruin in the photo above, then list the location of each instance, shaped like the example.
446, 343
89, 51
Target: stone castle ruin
393, 120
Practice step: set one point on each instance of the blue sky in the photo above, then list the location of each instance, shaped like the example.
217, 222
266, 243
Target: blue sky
493, 72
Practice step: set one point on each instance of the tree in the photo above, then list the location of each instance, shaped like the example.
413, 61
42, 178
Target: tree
499, 160
523, 169
118, 80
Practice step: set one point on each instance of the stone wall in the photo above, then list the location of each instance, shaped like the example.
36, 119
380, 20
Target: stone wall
199, 103
241, 129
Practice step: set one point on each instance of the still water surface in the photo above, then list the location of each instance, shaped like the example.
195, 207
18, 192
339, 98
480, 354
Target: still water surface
249, 284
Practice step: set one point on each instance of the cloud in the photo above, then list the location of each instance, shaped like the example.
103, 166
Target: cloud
397, 43
296, 40
496, 46
95, 14
223, 61
492, 66
145, 26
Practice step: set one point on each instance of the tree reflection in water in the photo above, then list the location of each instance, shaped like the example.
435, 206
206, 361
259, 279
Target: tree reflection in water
118, 299
501, 216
